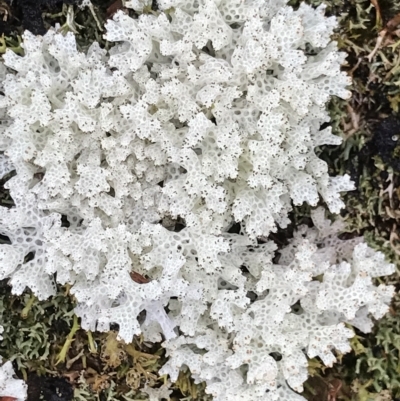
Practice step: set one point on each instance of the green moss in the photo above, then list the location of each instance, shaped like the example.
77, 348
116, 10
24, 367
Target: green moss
45, 339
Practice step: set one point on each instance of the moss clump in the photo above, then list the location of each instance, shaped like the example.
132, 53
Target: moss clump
58, 359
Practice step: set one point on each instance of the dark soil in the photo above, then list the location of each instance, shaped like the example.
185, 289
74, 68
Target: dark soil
49, 389
27, 14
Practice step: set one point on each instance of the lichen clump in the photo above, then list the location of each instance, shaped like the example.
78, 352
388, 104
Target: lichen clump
208, 114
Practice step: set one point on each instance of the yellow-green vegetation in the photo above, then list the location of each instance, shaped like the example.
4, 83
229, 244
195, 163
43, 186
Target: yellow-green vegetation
44, 339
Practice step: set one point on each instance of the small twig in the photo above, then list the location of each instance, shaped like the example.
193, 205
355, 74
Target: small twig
389, 189
355, 119
130, 349
4, 9
351, 72
92, 344
389, 28
334, 387
71, 361
378, 44
99, 26
28, 307
70, 338
70, 21
378, 12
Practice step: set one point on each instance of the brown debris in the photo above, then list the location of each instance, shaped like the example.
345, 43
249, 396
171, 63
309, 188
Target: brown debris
378, 12
393, 23
384, 37
138, 278
113, 8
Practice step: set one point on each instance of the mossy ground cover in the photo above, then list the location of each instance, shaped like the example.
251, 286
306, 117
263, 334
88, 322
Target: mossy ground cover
61, 362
